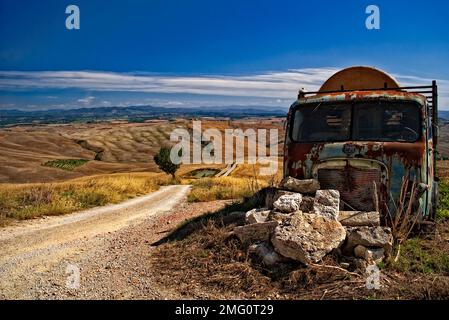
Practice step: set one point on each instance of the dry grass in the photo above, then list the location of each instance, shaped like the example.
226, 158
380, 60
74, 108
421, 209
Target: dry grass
223, 188
208, 259
252, 171
443, 145
243, 182
405, 216
26, 201
210, 264
425, 253
202, 259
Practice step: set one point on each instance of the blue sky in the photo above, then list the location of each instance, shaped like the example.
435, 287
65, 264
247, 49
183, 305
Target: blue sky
190, 53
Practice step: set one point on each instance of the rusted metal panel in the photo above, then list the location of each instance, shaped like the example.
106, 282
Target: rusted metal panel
399, 159
387, 95
356, 185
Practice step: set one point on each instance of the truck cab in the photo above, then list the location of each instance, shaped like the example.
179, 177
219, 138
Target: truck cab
362, 134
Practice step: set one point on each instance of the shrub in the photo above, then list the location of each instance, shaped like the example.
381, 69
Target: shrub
163, 161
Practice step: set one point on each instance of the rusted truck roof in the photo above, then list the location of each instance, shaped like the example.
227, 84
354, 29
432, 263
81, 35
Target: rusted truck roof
389, 95
361, 83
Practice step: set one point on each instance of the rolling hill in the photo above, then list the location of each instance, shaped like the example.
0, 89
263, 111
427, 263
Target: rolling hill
110, 147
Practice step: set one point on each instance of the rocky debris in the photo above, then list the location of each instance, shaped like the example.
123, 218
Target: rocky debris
307, 204
288, 203
307, 186
375, 237
255, 232
307, 237
273, 196
369, 254
307, 227
327, 203
266, 253
257, 215
359, 218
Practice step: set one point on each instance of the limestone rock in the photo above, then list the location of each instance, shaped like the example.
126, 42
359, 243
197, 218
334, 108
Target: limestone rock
359, 218
374, 254
288, 203
257, 215
255, 232
327, 203
282, 216
376, 237
369, 254
306, 203
308, 186
266, 253
359, 252
273, 196
307, 237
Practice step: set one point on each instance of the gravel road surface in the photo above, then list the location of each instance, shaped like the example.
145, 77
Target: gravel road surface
101, 253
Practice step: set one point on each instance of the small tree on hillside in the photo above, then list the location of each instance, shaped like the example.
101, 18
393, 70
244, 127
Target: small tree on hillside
162, 159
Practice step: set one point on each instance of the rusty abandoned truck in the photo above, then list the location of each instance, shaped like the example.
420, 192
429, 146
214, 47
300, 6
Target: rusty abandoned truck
362, 134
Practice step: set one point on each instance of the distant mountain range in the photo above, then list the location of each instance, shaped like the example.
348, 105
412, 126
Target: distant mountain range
140, 114
131, 114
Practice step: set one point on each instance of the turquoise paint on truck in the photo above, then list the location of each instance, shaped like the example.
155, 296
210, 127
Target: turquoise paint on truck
354, 165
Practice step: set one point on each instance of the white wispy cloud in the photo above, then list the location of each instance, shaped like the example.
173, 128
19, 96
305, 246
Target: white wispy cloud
86, 101
267, 85
275, 85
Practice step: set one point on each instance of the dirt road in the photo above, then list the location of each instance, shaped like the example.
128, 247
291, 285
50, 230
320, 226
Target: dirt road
107, 245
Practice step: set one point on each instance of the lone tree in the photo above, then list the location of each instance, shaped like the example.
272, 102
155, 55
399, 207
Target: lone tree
163, 161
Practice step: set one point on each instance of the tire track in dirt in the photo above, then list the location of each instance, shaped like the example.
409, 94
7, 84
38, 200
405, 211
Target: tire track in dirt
35, 248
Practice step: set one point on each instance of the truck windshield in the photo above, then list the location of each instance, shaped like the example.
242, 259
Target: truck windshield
358, 122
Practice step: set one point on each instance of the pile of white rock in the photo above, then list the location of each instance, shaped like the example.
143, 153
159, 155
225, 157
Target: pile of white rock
304, 223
